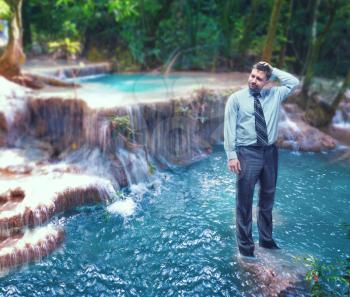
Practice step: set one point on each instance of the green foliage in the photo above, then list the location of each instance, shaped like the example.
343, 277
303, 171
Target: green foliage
70, 29
122, 125
327, 279
182, 109
67, 46
192, 34
125, 60
151, 168
139, 20
122, 8
4, 10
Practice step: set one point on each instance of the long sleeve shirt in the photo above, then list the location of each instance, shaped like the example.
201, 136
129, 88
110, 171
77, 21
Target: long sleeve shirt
239, 125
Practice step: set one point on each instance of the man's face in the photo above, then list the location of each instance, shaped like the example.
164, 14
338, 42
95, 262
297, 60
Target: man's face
257, 80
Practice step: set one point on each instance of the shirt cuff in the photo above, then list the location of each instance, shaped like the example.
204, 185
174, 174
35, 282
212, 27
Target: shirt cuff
231, 155
275, 73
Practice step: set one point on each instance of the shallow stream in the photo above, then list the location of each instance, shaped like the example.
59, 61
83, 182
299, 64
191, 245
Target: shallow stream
176, 237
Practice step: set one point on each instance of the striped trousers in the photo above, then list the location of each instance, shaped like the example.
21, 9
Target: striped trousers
259, 164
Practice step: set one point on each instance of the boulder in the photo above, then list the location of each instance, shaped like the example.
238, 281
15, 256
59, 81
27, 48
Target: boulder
296, 134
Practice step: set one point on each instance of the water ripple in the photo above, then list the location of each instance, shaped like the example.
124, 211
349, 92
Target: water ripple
180, 241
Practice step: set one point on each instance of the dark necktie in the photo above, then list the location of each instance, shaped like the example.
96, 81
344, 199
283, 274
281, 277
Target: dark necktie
260, 124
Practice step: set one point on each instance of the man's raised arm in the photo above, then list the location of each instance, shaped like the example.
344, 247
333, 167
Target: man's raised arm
288, 82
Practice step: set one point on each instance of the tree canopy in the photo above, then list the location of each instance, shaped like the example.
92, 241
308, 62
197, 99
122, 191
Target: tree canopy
193, 34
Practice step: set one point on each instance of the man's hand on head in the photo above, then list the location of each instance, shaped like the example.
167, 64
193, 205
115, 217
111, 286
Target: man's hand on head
263, 63
234, 165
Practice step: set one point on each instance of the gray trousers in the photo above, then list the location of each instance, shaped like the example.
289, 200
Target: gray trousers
258, 164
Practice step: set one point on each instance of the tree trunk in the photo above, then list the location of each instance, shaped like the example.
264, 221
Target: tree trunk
13, 56
315, 44
282, 54
27, 32
311, 55
245, 41
271, 32
226, 25
342, 91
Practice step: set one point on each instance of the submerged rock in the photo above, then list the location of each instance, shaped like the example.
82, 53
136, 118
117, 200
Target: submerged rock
275, 274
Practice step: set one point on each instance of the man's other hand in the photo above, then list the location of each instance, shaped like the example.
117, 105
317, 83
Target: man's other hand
234, 165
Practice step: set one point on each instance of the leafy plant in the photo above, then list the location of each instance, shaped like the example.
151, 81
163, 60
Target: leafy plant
329, 279
122, 125
151, 168
66, 46
4, 10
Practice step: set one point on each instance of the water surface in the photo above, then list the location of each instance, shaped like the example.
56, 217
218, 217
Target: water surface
179, 240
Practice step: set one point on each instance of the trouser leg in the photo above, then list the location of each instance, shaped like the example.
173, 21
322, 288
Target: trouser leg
267, 180
251, 165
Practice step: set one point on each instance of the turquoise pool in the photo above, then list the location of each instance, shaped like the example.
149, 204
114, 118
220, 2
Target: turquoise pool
131, 83
180, 239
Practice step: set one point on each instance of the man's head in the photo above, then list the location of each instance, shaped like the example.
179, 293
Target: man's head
259, 77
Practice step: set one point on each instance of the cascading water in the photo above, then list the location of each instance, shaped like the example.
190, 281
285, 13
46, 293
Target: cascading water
120, 144
88, 155
340, 127
290, 129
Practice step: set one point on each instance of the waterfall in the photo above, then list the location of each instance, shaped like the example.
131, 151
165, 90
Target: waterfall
341, 118
13, 111
340, 127
30, 245
135, 165
288, 131
59, 153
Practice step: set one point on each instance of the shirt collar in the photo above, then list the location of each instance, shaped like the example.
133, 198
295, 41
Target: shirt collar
263, 92
254, 93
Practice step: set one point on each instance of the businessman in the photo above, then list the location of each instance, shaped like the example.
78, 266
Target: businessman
251, 119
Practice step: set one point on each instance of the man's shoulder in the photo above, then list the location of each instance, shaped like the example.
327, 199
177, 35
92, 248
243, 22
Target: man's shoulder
268, 91
239, 94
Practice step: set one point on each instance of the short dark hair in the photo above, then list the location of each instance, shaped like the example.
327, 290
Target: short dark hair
265, 68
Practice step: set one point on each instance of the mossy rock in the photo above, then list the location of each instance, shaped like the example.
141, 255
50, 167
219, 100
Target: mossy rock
122, 125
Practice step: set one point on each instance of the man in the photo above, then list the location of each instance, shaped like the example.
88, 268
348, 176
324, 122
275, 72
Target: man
251, 119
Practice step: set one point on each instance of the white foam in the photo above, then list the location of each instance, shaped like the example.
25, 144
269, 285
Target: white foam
125, 207
10, 89
136, 165
344, 125
31, 237
138, 189
92, 161
42, 190
11, 157
286, 122
11, 99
